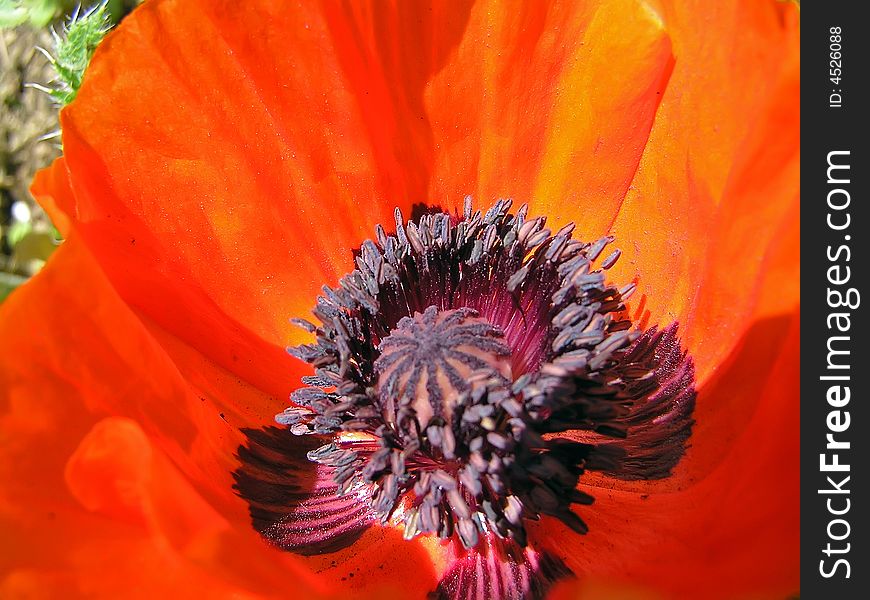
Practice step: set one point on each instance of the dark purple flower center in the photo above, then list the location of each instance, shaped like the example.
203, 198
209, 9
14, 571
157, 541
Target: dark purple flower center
472, 368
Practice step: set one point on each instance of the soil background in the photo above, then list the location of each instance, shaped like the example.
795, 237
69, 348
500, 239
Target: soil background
27, 116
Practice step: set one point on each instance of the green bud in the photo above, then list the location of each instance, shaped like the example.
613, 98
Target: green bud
73, 48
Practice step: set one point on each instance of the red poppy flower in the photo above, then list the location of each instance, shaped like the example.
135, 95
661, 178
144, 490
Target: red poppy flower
223, 161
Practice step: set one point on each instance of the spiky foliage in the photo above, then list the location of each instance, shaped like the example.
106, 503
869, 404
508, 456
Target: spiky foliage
73, 48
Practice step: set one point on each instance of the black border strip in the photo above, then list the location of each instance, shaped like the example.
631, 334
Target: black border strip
834, 240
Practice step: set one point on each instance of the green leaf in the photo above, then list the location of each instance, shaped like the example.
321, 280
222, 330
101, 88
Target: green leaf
38, 12
17, 232
12, 14
41, 12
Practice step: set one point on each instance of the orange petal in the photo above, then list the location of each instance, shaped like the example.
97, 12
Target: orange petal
91, 504
126, 522
222, 340
549, 104
68, 330
51, 189
118, 447
225, 160
719, 174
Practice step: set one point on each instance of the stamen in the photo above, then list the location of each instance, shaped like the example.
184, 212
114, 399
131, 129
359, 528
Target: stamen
483, 364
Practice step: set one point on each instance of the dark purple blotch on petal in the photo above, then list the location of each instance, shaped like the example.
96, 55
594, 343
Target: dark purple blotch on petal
293, 504
500, 569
